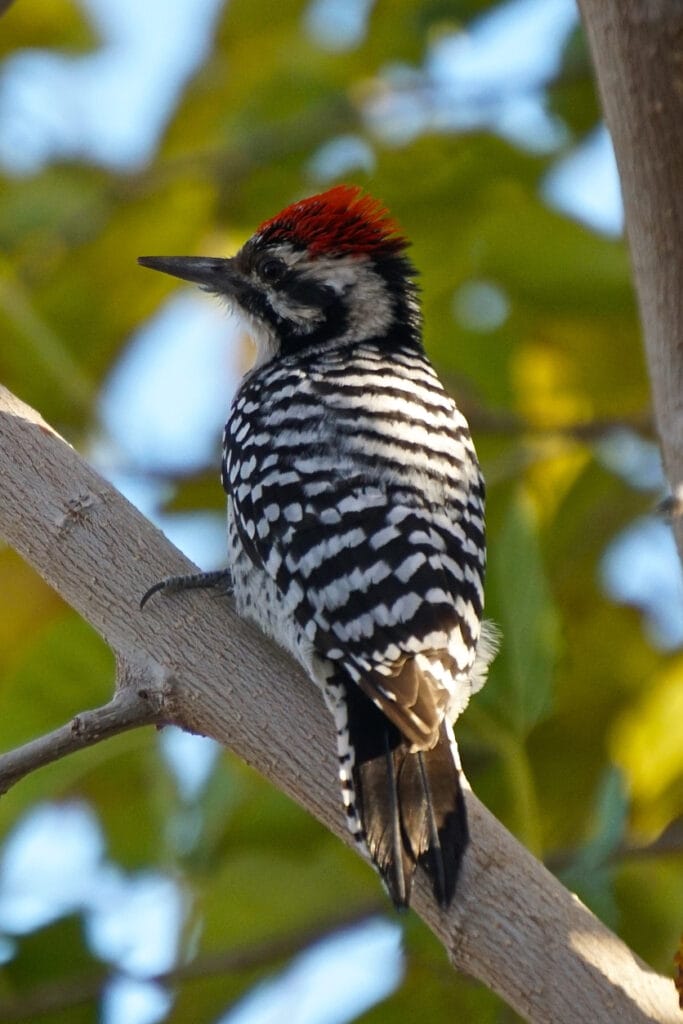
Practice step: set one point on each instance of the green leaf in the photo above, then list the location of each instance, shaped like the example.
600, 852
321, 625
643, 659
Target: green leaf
67, 668
590, 874
520, 600
611, 812
52, 24
49, 963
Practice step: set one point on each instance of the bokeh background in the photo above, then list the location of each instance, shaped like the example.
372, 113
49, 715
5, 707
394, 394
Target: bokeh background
155, 877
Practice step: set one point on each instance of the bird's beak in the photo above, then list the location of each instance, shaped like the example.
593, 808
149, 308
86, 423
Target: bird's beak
216, 275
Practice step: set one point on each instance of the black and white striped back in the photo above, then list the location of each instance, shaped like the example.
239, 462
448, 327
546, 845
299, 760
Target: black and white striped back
357, 540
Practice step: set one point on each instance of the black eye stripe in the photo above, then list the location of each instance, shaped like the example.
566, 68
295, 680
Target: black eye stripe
311, 293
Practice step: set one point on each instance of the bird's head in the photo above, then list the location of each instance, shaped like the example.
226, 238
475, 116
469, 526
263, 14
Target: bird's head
327, 270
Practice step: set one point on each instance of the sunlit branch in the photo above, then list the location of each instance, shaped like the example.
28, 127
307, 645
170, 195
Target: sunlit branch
512, 925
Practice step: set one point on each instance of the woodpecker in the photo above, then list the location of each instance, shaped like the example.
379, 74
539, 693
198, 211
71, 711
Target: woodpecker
356, 516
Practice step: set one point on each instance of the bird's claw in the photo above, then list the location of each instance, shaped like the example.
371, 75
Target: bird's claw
193, 581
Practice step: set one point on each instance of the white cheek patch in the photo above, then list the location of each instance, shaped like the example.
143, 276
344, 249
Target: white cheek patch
368, 303
305, 317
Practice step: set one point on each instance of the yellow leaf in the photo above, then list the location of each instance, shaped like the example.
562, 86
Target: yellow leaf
647, 742
548, 394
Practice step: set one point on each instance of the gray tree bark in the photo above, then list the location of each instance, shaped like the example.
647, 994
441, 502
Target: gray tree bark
637, 49
191, 661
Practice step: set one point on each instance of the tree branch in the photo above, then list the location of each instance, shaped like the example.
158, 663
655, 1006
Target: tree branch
67, 993
513, 925
637, 47
129, 708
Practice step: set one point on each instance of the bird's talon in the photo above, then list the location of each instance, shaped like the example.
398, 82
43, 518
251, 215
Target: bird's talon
161, 585
194, 581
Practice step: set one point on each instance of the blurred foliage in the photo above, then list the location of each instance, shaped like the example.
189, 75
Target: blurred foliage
576, 743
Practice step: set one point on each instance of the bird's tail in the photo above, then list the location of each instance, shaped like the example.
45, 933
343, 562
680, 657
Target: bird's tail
410, 805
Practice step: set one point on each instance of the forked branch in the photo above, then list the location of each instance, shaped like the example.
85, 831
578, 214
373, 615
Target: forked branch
129, 708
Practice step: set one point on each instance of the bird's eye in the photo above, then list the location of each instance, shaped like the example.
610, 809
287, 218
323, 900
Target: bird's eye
271, 269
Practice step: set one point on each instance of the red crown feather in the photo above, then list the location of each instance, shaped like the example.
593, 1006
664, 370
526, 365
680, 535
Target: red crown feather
341, 221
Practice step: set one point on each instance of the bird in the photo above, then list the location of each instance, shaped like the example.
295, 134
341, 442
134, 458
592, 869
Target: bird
356, 535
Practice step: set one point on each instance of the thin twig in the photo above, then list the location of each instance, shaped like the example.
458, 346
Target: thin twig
128, 709
668, 844
67, 993
490, 421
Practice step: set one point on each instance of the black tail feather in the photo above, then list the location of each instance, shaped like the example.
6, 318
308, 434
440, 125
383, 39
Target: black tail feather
436, 853
400, 887
410, 804
446, 818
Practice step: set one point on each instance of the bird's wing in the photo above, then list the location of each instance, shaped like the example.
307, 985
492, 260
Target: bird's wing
381, 580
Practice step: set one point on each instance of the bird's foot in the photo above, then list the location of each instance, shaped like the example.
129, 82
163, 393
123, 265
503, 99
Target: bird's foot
194, 581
